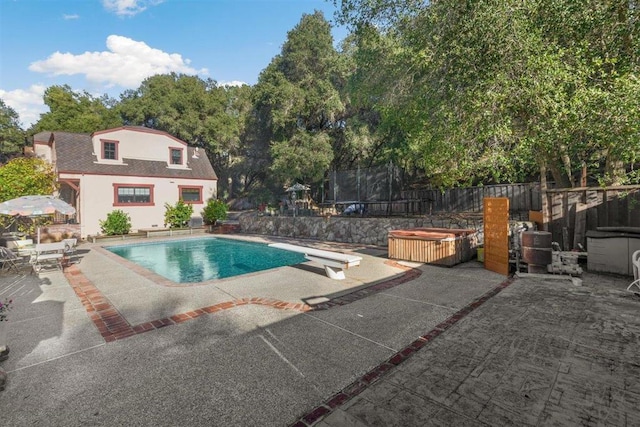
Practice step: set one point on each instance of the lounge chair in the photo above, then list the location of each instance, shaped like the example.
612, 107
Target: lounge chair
635, 260
8, 259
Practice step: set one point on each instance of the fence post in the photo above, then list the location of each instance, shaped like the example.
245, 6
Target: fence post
390, 179
543, 198
358, 182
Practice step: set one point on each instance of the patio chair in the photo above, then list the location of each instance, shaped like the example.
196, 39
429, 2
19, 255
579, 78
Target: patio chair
8, 259
635, 261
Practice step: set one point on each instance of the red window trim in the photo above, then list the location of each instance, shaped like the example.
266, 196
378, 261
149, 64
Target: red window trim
200, 188
117, 186
171, 155
102, 142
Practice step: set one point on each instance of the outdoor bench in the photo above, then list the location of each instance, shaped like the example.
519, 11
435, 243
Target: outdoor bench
47, 253
334, 263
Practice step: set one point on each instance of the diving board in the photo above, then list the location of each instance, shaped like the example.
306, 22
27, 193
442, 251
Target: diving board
334, 262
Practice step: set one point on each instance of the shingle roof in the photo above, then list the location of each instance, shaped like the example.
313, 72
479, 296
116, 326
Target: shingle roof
74, 154
42, 137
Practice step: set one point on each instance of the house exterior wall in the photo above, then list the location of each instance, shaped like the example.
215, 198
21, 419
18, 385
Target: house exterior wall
144, 145
44, 152
97, 199
94, 180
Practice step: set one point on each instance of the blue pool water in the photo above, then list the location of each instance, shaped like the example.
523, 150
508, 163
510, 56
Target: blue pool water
198, 260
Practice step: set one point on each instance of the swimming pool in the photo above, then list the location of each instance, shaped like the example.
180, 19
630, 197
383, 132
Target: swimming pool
198, 260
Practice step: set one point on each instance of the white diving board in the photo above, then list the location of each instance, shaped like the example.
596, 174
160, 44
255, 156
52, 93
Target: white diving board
334, 262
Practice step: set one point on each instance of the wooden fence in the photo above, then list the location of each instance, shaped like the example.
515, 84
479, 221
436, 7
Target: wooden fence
568, 212
571, 212
522, 198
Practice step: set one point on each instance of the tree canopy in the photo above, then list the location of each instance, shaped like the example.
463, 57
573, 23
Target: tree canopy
184, 106
71, 111
298, 104
492, 89
11, 134
456, 92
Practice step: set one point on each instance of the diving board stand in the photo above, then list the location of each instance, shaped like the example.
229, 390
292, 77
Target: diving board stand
334, 262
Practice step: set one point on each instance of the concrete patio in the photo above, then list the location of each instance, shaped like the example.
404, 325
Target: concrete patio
101, 344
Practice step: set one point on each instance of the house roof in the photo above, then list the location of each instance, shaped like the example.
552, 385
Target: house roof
42, 137
74, 154
140, 129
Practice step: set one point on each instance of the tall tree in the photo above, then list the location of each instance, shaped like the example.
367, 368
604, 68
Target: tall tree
380, 86
355, 140
236, 168
72, 111
298, 104
11, 134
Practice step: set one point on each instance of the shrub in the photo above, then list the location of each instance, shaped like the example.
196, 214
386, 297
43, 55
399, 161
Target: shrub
214, 211
117, 222
177, 216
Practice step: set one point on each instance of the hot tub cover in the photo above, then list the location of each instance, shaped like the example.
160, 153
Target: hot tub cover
432, 233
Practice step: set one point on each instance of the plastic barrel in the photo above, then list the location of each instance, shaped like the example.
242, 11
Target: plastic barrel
536, 250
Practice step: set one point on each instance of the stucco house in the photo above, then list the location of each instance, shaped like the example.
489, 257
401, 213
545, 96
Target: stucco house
134, 169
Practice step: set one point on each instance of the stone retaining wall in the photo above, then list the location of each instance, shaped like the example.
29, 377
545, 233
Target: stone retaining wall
367, 231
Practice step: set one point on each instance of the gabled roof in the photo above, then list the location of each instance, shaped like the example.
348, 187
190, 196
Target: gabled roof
74, 154
42, 137
139, 129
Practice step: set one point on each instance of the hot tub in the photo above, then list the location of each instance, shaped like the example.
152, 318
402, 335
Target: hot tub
442, 246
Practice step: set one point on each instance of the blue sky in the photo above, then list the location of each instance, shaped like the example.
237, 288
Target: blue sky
108, 46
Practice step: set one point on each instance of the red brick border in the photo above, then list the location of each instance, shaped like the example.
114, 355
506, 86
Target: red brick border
113, 326
359, 385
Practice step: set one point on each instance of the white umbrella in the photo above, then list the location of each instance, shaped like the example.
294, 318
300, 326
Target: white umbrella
298, 187
31, 206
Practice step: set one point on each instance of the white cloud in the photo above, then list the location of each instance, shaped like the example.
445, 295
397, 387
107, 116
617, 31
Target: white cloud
69, 17
126, 63
27, 103
233, 83
128, 7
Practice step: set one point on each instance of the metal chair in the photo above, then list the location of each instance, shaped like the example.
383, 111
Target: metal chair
635, 261
69, 249
8, 259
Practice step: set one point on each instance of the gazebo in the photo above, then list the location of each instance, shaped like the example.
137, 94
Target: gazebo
296, 201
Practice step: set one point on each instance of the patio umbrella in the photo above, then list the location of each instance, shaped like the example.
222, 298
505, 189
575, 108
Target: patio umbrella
298, 187
31, 206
